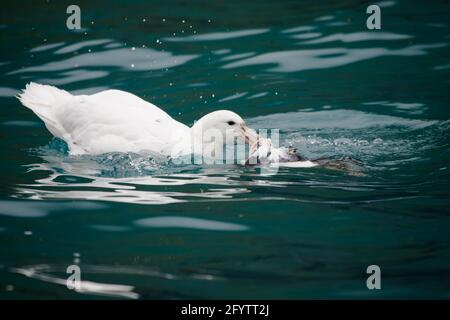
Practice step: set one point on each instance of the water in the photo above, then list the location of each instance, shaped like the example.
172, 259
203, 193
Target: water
143, 227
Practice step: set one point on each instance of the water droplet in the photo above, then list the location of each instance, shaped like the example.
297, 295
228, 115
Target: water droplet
183, 21
132, 65
143, 20
133, 48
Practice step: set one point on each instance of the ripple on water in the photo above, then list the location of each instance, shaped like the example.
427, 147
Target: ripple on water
358, 36
382, 142
36, 209
215, 36
314, 59
91, 64
8, 92
56, 274
189, 223
139, 222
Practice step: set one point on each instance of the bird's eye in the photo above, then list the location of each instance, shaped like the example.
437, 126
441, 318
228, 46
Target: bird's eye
231, 123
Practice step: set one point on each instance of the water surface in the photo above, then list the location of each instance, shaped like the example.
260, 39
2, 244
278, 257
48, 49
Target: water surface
143, 227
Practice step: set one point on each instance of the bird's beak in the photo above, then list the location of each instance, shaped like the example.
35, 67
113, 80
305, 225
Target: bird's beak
250, 136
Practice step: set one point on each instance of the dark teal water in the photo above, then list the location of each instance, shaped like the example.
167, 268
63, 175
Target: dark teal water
139, 228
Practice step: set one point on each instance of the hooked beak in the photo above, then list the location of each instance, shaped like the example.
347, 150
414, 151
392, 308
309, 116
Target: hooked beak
250, 136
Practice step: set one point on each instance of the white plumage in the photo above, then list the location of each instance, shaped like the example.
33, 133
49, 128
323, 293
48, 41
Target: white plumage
115, 120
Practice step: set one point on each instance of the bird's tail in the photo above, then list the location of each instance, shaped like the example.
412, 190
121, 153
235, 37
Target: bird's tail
42, 100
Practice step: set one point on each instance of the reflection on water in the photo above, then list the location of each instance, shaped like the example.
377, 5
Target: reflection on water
355, 37
86, 287
148, 228
218, 35
300, 60
183, 222
144, 179
33, 209
56, 274
97, 57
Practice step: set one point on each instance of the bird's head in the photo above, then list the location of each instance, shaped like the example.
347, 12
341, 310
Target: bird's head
226, 123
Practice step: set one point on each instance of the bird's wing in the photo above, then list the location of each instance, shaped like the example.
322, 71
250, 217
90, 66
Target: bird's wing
107, 121
115, 120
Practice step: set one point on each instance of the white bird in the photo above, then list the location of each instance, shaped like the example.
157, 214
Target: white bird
115, 120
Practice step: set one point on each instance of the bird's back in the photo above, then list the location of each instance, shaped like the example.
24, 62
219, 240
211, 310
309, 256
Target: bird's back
108, 121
